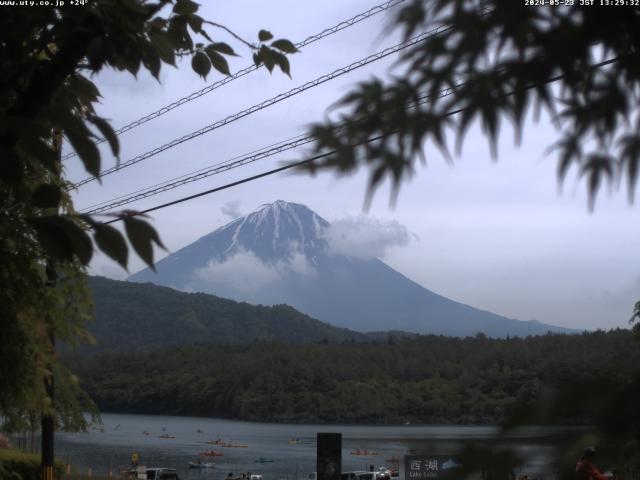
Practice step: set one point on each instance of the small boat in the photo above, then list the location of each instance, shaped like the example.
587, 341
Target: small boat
199, 430
166, 435
264, 460
293, 441
201, 465
145, 433
363, 452
216, 442
211, 453
235, 445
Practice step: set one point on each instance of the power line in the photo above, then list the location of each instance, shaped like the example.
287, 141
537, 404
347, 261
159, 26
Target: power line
267, 103
228, 185
199, 175
221, 167
245, 71
202, 171
239, 182
326, 154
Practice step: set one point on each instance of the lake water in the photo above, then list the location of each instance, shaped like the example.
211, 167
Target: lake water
111, 448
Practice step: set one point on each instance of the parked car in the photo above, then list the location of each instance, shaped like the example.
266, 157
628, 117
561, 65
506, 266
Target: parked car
357, 475
156, 473
353, 475
380, 475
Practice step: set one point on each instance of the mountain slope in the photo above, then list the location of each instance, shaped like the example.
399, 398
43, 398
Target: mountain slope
281, 254
132, 316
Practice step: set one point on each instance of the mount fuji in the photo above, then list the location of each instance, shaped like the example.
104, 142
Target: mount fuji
281, 254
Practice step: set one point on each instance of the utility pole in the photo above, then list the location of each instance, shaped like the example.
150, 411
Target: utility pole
48, 421
48, 418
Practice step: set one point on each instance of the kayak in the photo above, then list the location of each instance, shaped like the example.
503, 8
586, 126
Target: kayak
201, 465
219, 441
364, 452
211, 453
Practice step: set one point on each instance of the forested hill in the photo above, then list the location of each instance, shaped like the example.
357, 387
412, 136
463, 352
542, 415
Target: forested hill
137, 316
427, 379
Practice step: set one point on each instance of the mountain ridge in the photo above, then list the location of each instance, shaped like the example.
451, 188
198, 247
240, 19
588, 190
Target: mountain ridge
282, 254
139, 316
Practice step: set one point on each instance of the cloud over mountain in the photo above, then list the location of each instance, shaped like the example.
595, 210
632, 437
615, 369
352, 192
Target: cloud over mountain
245, 272
364, 237
231, 210
286, 253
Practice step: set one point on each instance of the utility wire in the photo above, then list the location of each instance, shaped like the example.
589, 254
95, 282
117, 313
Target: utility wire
196, 174
267, 103
245, 71
221, 167
326, 154
239, 182
228, 185
235, 162
199, 175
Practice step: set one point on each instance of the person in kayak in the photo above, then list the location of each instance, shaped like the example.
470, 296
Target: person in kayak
586, 470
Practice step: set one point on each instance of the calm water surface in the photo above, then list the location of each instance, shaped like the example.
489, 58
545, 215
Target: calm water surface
123, 434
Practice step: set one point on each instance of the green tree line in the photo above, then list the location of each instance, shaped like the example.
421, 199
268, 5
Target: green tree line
425, 379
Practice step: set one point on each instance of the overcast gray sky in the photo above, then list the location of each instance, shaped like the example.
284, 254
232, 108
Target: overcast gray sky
497, 236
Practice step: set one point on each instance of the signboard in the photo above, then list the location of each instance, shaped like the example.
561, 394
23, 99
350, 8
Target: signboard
141, 473
329, 456
427, 467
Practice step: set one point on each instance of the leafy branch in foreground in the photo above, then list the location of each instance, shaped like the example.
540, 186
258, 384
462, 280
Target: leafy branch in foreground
45, 95
494, 62
500, 58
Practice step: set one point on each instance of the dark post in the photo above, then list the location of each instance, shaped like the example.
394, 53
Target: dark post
47, 430
329, 456
48, 418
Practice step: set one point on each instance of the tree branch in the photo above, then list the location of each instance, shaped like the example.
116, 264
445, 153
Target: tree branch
233, 34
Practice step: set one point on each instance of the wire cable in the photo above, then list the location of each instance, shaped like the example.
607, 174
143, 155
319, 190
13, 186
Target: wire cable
239, 182
251, 68
213, 170
326, 154
221, 167
190, 174
267, 103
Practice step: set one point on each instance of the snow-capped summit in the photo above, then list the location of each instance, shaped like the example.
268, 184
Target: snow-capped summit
275, 231
280, 254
